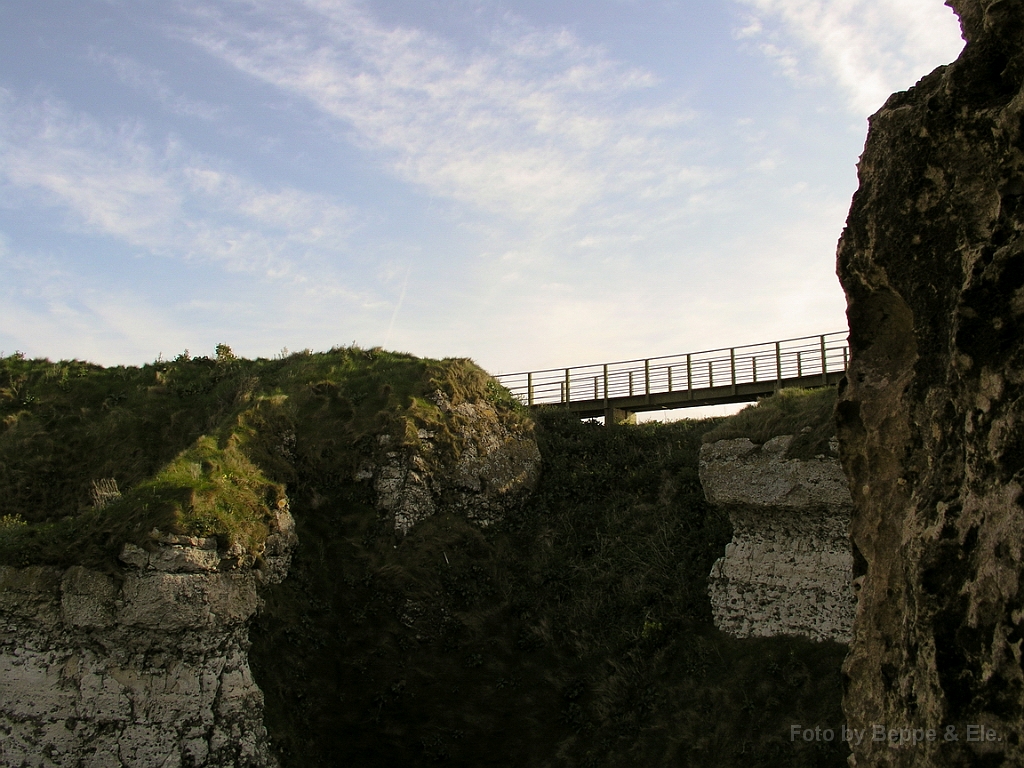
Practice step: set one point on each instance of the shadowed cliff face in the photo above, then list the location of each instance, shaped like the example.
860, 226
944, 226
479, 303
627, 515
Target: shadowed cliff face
931, 420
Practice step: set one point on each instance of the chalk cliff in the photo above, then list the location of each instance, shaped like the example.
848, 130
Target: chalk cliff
931, 421
147, 667
147, 662
787, 570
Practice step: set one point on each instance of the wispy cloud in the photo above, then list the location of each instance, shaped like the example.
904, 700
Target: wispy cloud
164, 200
152, 82
542, 202
869, 48
532, 124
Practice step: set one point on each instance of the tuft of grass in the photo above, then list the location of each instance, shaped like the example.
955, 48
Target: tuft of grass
805, 413
217, 491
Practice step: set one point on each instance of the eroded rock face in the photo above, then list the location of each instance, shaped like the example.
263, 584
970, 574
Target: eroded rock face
149, 668
787, 570
931, 422
498, 465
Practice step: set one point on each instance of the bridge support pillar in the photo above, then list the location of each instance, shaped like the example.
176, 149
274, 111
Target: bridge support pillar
613, 416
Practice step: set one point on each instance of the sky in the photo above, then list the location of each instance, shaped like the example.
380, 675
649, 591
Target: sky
529, 183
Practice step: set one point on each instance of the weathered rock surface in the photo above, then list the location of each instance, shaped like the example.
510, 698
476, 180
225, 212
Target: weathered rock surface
146, 668
498, 465
787, 570
931, 422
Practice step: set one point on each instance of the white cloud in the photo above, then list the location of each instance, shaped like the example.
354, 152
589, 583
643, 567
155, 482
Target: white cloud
870, 48
168, 202
533, 124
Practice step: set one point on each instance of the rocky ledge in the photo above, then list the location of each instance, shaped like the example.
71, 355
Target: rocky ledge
144, 667
788, 568
496, 469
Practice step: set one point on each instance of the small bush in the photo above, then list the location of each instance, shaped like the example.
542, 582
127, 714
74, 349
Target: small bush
805, 413
11, 522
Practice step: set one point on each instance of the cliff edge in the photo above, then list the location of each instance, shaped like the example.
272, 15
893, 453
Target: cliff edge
787, 569
146, 667
146, 526
931, 420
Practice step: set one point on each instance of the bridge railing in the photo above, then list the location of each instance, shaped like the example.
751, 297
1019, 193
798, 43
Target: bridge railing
798, 358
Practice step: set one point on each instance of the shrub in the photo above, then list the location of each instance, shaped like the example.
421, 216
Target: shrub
805, 413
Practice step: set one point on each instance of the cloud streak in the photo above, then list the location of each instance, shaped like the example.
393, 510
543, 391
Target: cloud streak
869, 48
533, 124
169, 201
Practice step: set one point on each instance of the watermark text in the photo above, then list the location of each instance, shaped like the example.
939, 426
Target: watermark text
895, 737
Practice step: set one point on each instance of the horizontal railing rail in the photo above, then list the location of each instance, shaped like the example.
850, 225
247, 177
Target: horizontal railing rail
801, 359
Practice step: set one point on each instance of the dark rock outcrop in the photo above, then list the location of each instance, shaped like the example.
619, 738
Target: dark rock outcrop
496, 469
931, 420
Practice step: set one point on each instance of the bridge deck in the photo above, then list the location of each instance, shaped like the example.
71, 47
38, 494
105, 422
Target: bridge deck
711, 377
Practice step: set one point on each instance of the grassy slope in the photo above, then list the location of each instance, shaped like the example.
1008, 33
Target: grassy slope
198, 445
805, 413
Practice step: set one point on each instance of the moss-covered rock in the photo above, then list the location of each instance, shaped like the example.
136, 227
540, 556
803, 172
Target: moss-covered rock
92, 458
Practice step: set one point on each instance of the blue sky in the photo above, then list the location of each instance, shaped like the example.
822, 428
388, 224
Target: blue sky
530, 184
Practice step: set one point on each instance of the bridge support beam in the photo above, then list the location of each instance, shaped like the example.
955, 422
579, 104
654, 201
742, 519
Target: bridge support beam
614, 416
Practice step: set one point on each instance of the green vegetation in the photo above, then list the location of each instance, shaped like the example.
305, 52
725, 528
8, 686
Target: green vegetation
805, 413
198, 445
576, 633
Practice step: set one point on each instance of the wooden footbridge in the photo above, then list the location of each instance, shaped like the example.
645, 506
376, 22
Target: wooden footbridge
619, 390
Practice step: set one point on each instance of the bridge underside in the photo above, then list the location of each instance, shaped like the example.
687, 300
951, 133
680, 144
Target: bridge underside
619, 409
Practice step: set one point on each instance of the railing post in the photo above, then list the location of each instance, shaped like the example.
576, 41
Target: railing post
647, 380
753, 367
567, 392
595, 387
670, 378
711, 373
778, 366
732, 367
799, 363
630, 383
529, 389
689, 377
846, 358
606, 386
824, 364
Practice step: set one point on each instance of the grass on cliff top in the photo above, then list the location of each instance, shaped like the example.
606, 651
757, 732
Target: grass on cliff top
199, 445
805, 413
